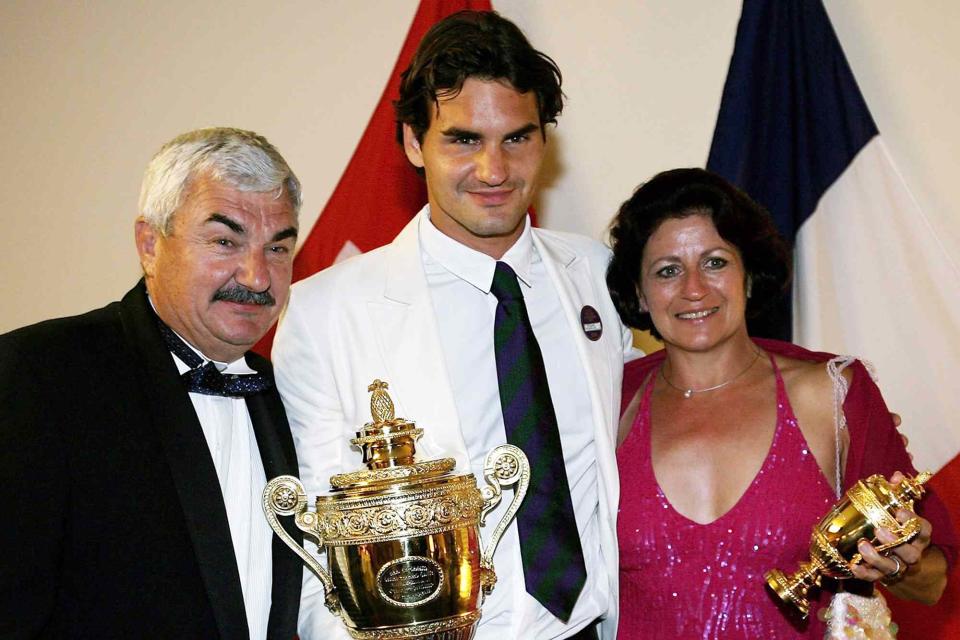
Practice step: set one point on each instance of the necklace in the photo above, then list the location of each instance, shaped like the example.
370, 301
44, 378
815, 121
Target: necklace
688, 392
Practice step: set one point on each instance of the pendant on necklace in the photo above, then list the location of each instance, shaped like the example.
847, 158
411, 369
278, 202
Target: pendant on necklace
688, 393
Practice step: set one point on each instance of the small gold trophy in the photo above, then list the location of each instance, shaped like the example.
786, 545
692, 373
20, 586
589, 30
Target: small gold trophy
402, 537
867, 506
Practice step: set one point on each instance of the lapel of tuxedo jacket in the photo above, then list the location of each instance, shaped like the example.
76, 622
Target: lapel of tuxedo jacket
277, 453
169, 410
409, 341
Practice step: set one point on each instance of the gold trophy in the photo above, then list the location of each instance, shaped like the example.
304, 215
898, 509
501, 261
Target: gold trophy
402, 536
867, 506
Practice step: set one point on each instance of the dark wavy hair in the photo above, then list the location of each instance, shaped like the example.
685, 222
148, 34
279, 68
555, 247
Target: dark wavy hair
739, 220
474, 44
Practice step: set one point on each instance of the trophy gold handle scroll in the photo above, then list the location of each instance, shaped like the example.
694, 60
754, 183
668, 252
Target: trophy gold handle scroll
285, 496
505, 465
906, 532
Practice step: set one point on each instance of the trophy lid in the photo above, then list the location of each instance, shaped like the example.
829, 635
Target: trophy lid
388, 445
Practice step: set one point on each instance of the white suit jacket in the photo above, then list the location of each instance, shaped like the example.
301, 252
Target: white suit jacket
372, 317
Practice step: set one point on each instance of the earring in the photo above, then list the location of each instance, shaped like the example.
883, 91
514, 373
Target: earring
749, 286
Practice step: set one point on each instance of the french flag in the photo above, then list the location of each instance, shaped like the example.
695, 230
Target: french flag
872, 279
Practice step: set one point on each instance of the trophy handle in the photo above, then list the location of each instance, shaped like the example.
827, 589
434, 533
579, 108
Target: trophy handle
908, 531
504, 465
285, 496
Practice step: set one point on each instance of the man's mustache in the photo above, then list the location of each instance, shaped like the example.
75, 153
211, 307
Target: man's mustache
242, 295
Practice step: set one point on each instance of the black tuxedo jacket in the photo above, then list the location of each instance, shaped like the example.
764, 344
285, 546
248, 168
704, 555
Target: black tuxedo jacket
113, 522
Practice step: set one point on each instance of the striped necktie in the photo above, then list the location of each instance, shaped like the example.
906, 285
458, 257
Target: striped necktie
553, 566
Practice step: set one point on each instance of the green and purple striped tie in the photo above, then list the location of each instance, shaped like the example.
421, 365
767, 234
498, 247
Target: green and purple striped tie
553, 565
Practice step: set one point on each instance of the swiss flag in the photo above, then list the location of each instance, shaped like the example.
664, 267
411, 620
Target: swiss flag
379, 191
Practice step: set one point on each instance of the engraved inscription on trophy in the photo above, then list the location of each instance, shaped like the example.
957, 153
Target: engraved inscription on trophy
411, 581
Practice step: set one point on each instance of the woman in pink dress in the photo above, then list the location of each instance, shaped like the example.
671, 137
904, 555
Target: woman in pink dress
730, 451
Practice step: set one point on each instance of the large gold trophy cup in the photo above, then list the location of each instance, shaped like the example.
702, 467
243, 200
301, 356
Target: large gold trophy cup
867, 506
402, 536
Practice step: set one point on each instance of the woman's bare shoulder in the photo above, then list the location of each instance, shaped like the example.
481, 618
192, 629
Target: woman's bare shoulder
808, 377
811, 391
810, 388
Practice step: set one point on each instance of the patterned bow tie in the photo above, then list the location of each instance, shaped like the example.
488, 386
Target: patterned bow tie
206, 378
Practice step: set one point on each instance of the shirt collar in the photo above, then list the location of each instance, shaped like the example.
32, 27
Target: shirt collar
473, 266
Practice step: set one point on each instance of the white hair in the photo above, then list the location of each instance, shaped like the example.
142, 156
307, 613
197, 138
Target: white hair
241, 159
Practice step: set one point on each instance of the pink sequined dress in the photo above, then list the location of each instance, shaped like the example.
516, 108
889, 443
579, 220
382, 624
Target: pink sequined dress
682, 579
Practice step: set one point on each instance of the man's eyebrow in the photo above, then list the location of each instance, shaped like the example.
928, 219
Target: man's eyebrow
457, 132
233, 225
522, 131
289, 232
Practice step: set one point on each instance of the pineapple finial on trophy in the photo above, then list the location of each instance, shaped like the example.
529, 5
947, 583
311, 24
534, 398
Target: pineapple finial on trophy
381, 406
388, 441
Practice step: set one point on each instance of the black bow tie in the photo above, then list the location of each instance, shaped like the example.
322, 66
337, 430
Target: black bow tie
206, 378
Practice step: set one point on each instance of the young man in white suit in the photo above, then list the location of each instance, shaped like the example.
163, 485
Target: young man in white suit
473, 113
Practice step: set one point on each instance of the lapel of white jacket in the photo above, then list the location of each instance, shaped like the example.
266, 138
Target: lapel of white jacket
410, 344
576, 287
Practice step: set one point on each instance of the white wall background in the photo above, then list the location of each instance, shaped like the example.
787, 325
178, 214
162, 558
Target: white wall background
91, 89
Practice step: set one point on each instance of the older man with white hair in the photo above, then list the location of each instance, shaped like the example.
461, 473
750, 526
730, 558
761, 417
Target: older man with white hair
136, 438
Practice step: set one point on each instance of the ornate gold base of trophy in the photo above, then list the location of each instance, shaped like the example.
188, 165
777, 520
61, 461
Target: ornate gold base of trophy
402, 537
868, 505
461, 627
795, 588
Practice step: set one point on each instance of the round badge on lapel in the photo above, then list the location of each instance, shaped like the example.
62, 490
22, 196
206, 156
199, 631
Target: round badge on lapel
591, 323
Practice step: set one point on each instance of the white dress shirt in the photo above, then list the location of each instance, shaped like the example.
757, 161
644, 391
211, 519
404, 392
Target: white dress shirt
459, 280
233, 446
